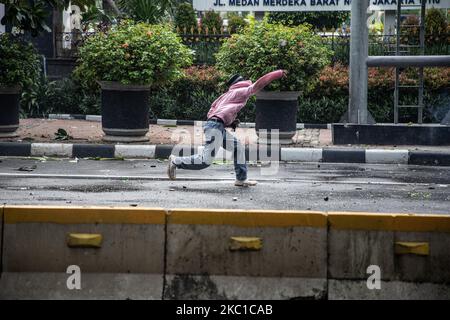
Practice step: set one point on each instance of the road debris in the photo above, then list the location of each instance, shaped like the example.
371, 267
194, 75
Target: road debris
62, 135
27, 169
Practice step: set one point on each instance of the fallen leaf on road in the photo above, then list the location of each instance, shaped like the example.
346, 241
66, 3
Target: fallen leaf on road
62, 135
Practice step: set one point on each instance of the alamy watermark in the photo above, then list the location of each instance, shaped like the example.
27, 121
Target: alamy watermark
222, 145
74, 280
374, 279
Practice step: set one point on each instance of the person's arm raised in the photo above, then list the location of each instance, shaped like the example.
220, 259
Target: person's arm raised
266, 80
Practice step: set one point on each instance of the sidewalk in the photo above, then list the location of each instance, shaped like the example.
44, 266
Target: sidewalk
81, 131
90, 132
37, 139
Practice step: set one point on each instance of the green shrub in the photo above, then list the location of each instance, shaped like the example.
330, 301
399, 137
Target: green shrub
212, 22
133, 54
265, 47
320, 20
436, 26
149, 11
19, 62
436, 29
189, 97
236, 23
62, 96
185, 19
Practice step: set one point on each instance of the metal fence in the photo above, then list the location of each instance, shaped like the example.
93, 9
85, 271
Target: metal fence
206, 46
68, 43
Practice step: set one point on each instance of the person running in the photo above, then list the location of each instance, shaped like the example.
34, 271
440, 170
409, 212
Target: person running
222, 115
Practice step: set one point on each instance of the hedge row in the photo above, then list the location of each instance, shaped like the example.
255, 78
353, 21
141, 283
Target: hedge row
190, 98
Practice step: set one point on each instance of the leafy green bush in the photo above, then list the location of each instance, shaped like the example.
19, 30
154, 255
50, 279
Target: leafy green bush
185, 19
436, 26
189, 97
62, 96
436, 29
133, 54
265, 47
236, 23
149, 11
211, 22
320, 20
19, 63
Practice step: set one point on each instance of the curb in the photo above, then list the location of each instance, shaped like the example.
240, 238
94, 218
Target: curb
253, 153
170, 122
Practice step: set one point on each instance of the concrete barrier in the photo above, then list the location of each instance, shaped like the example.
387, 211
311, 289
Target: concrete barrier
129, 241
407, 249
287, 258
146, 253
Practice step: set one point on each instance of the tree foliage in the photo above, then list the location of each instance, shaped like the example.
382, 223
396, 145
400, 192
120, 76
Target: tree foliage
32, 15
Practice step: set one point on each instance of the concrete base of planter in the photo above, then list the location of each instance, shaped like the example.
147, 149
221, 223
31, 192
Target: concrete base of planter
283, 142
391, 134
7, 135
276, 111
125, 139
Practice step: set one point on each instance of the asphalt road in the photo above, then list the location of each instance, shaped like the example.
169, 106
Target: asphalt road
325, 187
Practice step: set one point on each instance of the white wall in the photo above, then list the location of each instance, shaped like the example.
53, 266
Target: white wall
2, 13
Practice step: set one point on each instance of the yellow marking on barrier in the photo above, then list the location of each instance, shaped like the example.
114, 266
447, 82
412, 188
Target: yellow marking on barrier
83, 215
245, 244
422, 223
360, 221
417, 248
84, 240
248, 218
240, 218
389, 222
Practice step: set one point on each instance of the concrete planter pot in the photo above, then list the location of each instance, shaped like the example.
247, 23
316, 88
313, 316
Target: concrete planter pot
9, 111
276, 111
125, 112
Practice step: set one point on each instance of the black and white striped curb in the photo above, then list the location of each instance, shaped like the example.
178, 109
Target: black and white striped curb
263, 153
169, 122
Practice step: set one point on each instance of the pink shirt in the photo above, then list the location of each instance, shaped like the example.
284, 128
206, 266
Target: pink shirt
227, 106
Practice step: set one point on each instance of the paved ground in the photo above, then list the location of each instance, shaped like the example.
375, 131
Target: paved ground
328, 187
81, 131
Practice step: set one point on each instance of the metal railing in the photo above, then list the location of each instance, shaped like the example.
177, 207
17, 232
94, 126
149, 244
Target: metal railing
206, 46
68, 43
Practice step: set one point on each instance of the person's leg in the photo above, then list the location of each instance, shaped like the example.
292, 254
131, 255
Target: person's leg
232, 144
213, 138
